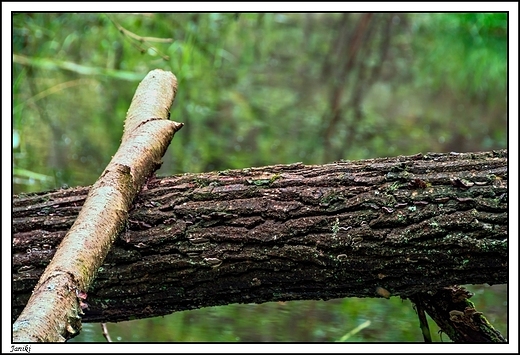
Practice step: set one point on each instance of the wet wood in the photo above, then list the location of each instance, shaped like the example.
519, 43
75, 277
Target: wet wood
405, 225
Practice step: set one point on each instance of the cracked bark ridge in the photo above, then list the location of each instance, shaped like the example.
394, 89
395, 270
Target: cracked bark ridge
53, 311
372, 228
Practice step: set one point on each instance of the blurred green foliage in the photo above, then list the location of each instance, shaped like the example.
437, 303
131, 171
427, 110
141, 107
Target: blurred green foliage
259, 89
256, 89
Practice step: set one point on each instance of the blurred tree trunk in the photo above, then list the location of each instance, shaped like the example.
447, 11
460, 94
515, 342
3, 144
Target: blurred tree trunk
373, 228
350, 72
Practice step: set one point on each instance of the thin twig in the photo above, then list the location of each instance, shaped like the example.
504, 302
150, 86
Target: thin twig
423, 322
105, 332
142, 40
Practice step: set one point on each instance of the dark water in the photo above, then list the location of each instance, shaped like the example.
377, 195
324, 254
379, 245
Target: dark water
350, 319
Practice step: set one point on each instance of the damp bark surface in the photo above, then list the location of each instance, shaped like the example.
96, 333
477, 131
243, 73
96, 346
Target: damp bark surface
374, 228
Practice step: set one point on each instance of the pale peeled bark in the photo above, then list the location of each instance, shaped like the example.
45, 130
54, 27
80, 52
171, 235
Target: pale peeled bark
53, 312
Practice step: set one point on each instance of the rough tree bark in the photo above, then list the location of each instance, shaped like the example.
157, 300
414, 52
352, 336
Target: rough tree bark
394, 226
53, 310
456, 315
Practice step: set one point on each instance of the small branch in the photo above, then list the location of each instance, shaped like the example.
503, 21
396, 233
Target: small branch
52, 64
142, 40
53, 311
54, 89
105, 332
423, 322
456, 316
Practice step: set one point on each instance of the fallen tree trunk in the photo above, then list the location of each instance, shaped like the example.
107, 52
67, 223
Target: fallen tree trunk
372, 228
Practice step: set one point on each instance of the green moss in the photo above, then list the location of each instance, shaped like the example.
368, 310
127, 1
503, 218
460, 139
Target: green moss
330, 197
274, 178
201, 182
260, 182
395, 186
335, 228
